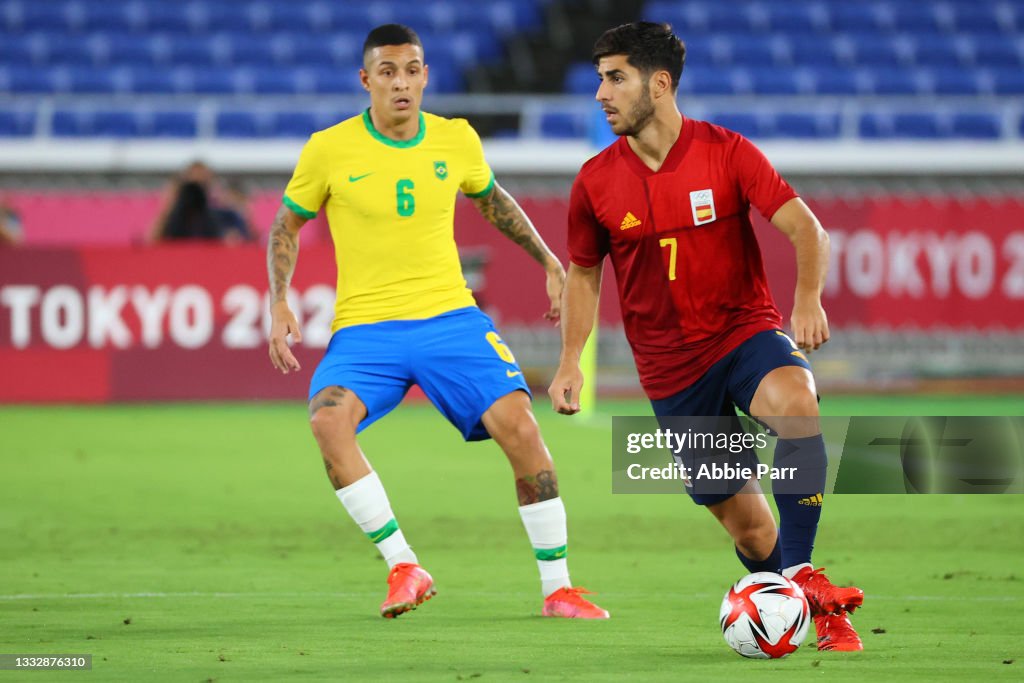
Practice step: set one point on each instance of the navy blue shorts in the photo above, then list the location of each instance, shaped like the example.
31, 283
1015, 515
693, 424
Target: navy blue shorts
729, 384
457, 358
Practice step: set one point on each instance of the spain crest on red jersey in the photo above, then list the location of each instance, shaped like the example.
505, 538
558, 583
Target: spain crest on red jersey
702, 203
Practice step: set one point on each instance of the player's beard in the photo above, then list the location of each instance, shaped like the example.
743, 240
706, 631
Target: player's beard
640, 114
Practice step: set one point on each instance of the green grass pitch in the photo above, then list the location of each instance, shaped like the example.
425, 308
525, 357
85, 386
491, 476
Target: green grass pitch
203, 542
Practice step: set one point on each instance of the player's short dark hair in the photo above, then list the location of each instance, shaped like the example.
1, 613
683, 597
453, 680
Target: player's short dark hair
647, 46
390, 34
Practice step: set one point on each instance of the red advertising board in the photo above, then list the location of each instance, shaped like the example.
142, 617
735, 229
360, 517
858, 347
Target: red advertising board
121, 323
134, 323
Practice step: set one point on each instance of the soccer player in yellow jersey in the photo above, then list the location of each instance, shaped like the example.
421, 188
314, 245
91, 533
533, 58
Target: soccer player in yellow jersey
389, 178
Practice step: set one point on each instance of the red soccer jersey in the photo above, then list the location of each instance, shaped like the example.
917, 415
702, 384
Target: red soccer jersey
691, 280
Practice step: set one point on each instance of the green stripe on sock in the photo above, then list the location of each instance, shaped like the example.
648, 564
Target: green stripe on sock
384, 532
550, 554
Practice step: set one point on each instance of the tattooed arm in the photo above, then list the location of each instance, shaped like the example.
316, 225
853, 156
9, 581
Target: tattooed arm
504, 213
282, 253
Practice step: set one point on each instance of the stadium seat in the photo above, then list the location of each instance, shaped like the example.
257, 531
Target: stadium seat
582, 79
903, 125
104, 124
563, 124
238, 124
807, 125
954, 82
749, 125
1008, 81
293, 124
174, 124
998, 51
976, 125
836, 81
16, 122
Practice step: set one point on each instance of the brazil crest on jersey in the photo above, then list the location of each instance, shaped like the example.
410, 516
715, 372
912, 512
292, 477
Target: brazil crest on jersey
391, 209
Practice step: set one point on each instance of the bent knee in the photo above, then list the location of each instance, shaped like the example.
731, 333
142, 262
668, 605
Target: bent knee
799, 403
335, 411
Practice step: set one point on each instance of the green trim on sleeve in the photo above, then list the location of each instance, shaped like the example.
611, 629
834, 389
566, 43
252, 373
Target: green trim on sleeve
401, 144
484, 192
290, 203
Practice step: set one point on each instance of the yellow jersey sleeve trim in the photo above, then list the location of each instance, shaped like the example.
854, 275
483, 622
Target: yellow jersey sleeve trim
484, 192
305, 213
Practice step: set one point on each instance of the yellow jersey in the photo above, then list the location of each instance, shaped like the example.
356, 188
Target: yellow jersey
391, 210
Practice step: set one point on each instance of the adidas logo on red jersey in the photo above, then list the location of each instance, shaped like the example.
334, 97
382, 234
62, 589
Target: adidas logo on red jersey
629, 221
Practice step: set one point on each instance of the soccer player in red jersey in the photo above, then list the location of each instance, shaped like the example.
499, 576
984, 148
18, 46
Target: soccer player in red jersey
669, 203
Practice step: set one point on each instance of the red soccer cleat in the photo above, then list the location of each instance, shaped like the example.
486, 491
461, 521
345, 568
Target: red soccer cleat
836, 633
409, 586
570, 603
823, 596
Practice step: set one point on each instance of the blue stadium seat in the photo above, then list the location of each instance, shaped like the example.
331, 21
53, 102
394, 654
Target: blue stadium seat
976, 18
748, 125
755, 51
936, 50
976, 125
293, 124
238, 124
105, 124
130, 50
895, 82
343, 79
16, 122
193, 51
40, 16
216, 81
916, 17
836, 81
879, 51
854, 18
159, 16
582, 79
807, 125
150, 80
1008, 81
70, 50
814, 51
248, 49
998, 51
922, 125
955, 82
112, 17
22, 50
772, 81
87, 80
174, 124
715, 82
798, 18
563, 124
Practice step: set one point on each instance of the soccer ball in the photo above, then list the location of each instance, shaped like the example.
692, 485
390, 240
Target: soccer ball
764, 616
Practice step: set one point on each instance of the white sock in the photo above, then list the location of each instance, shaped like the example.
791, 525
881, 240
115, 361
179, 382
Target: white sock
790, 572
367, 504
545, 526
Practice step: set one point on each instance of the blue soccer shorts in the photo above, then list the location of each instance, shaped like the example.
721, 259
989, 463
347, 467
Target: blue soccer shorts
729, 384
457, 358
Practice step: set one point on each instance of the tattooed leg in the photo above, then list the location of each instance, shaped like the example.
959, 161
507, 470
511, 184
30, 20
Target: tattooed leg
537, 488
334, 415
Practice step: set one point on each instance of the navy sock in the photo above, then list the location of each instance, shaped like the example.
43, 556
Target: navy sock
772, 563
799, 500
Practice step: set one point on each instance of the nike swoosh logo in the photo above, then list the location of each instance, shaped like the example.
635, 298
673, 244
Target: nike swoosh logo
509, 373
354, 178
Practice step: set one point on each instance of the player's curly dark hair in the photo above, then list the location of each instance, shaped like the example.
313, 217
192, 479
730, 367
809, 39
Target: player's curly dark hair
390, 34
648, 46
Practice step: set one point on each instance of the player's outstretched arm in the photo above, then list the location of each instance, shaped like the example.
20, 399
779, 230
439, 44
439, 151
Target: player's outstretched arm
809, 322
505, 214
579, 309
282, 253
